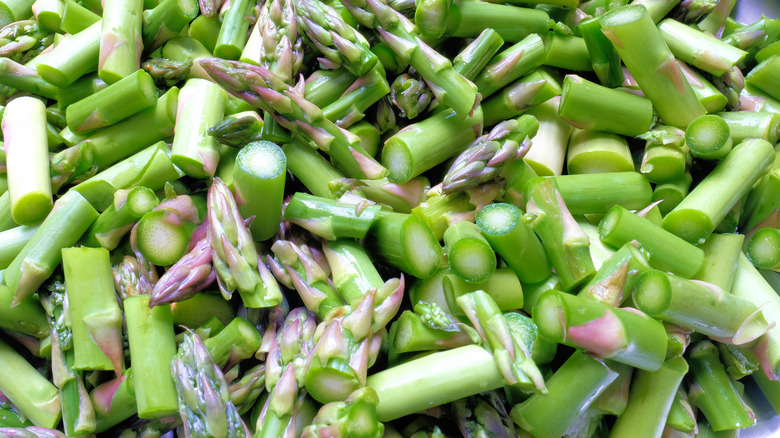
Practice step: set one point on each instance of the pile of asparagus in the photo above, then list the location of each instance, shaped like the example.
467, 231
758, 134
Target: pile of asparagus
443, 217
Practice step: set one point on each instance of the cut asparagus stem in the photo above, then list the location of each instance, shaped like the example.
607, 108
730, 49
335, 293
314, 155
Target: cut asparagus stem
615, 280
699, 49
570, 390
586, 105
24, 132
597, 152
549, 152
124, 98
120, 40
642, 49
760, 76
117, 220
699, 306
745, 124
566, 245
162, 237
651, 397
503, 226
258, 179
26, 318
36, 397
603, 57
714, 393
71, 217
166, 21
201, 105
762, 250
407, 242
469, 254
671, 193
633, 338
233, 33
311, 168
694, 218
708, 137
721, 253
85, 86
709, 95
95, 316
473, 59
525, 93
330, 219
510, 64
467, 18
21, 77
598, 192
411, 151
503, 287
76, 17
667, 251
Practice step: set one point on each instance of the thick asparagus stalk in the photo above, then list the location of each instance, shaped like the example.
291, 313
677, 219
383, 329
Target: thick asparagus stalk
407, 242
469, 254
699, 49
258, 178
36, 397
597, 152
73, 57
641, 47
330, 219
201, 104
120, 40
24, 132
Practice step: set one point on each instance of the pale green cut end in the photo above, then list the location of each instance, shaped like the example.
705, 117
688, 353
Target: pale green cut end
763, 250
691, 225
32, 208
498, 219
472, 260
653, 293
707, 134
262, 159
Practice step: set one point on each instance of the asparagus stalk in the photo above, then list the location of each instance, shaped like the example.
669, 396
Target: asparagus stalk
259, 183
708, 137
721, 253
428, 327
21, 77
201, 105
330, 219
643, 50
204, 397
311, 168
165, 21
36, 397
469, 254
233, 32
514, 99
234, 254
699, 49
120, 40
671, 193
728, 182
597, 152
510, 64
73, 57
192, 273
95, 316
24, 130
615, 280
71, 217
407, 242
548, 156
566, 245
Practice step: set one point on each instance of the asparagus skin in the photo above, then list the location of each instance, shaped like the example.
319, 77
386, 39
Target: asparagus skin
329, 219
24, 127
699, 49
120, 40
597, 152
232, 34
407, 242
71, 217
200, 106
234, 255
192, 273
642, 49
75, 56
36, 397
259, 182
729, 181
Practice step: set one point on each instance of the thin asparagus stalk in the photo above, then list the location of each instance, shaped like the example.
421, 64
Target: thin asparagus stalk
671, 193
78, 415
476, 56
509, 65
745, 124
634, 339
597, 152
201, 105
21, 77
36, 397
407, 242
699, 49
652, 394
234, 254
113, 223
120, 40
233, 32
503, 286
76, 17
525, 93
469, 254
467, 18
136, 92
598, 192
728, 182
71, 217
311, 168
641, 47
503, 226
258, 179
73, 57
709, 95
566, 245
567, 52
603, 56
713, 392
330, 219
615, 280
24, 130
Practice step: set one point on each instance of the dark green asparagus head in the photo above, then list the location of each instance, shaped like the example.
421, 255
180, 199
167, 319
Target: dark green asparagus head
238, 130
355, 417
167, 72
410, 94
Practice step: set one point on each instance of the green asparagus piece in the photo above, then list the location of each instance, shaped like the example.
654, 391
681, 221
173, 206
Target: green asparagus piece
597, 152
120, 40
407, 242
708, 137
201, 105
258, 179
74, 56
469, 254
36, 397
330, 219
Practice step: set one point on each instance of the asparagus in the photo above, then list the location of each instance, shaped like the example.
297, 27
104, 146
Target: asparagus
597, 152
165, 21
75, 56
238, 130
642, 48
36, 397
201, 105
190, 274
258, 179
410, 94
708, 137
204, 403
120, 40
329, 219
30, 191
699, 49
407, 242
234, 255
468, 253
232, 34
